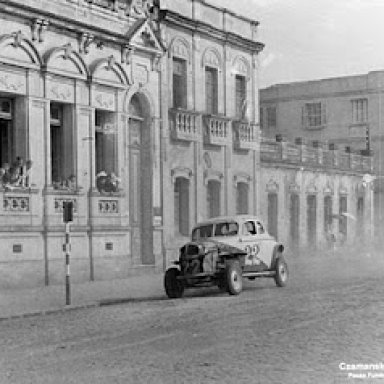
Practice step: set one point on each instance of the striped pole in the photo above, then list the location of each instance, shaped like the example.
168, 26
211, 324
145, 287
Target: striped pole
67, 266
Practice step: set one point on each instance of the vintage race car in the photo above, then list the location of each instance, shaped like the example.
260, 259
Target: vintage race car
222, 252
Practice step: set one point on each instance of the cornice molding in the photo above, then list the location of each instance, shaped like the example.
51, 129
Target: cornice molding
174, 19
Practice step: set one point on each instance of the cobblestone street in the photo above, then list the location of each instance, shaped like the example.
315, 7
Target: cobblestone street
330, 313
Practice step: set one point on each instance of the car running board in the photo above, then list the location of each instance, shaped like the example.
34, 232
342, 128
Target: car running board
259, 274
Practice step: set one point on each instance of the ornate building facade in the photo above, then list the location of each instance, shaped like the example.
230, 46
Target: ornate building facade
145, 116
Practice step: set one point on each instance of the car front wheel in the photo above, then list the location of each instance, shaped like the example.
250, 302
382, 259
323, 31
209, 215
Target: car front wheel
281, 277
234, 279
174, 288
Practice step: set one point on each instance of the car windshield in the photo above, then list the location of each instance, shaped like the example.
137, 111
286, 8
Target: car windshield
202, 232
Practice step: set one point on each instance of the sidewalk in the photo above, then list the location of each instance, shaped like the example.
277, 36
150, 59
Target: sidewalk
51, 299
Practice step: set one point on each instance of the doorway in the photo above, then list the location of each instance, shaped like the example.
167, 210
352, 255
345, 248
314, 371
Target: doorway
140, 181
294, 220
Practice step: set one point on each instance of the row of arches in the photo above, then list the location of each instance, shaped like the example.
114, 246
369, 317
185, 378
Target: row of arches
64, 60
181, 48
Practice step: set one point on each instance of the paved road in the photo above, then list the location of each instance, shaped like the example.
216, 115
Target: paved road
331, 313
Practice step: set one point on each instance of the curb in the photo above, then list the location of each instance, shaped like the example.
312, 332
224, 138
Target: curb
49, 311
126, 300
101, 303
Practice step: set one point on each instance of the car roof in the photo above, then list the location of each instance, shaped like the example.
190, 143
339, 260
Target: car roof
220, 219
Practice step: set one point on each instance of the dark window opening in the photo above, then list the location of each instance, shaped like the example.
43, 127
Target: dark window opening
181, 192
211, 90
240, 97
179, 83
242, 192
213, 198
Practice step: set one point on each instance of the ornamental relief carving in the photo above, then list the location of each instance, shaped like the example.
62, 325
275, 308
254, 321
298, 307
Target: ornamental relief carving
140, 74
108, 206
139, 7
104, 100
16, 204
241, 67
212, 58
181, 50
38, 28
12, 83
61, 92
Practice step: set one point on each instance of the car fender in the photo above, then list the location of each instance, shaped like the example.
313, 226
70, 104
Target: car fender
278, 250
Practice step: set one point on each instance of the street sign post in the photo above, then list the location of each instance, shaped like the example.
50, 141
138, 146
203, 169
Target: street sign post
67, 218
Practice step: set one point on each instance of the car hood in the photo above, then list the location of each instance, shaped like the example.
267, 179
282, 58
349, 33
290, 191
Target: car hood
222, 247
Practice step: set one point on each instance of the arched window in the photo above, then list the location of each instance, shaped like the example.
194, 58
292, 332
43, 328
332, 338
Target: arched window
311, 219
179, 79
343, 220
181, 196
327, 213
211, 90
272, 214
213, 198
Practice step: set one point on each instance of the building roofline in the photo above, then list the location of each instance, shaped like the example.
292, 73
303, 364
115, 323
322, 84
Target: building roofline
333, 78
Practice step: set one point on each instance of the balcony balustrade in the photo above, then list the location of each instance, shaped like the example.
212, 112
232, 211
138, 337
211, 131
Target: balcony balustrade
184, 125
246, 135
314, 155
216, 130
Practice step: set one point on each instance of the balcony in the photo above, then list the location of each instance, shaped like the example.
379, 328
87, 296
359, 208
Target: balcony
246, 135
184, 125
20, 207
315, 155
216, 130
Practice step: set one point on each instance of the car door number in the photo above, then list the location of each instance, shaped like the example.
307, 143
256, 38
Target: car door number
252, 252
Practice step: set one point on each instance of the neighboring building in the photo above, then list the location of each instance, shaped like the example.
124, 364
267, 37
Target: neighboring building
211, 156
146, 118
345, 111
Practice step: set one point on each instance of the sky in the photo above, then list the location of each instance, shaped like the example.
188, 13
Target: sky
315, 39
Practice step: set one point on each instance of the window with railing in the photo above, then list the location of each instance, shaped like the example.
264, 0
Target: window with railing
359, 111
179, 83
211, 90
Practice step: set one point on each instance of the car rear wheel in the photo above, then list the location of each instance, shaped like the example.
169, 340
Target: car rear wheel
234, 280
282, 274
174, 288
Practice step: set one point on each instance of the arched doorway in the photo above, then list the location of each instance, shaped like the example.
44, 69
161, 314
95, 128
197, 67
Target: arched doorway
140, 180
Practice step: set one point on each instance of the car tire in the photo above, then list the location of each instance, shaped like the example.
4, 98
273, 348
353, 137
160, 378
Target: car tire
174, 288
234, 280
282, 274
